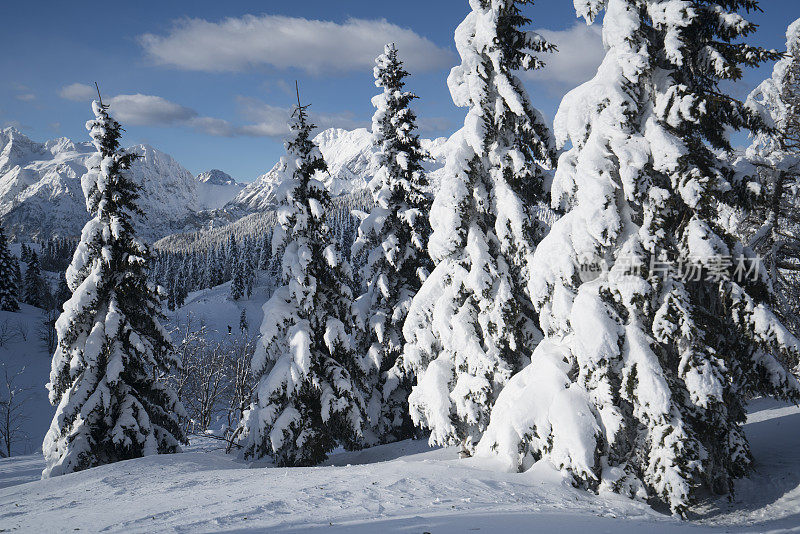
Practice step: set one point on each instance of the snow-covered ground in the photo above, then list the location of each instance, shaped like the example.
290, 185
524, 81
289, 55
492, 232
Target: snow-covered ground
404, 487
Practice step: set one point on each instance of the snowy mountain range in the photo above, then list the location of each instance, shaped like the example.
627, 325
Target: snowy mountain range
40, 191
351, 165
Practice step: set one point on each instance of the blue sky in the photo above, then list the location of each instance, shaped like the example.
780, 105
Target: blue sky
210, 82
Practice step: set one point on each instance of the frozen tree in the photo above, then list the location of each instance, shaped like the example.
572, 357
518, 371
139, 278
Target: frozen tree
472, 324
249, 275
240, 387
774, 225
8, 285
641, 382
307, 399
55, 302
393, 239
107, 377
204, 379
214, 381
63, 293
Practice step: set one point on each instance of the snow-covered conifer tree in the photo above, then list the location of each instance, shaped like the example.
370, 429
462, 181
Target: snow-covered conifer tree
34, 283
63, 293
775, 222
472, 325
107, 372
8, 283
237, 284
641, 383
393, 240
249, 275
18, 282
308, 397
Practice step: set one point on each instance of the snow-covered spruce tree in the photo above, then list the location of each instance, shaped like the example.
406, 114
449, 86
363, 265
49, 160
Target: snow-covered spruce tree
308, 397
237, 284
641, 383
472, 324
33, 288
393, 240
107, 373
18, 282
8, 283
774, 225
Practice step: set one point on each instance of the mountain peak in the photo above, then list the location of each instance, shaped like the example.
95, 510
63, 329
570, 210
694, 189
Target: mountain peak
216, 177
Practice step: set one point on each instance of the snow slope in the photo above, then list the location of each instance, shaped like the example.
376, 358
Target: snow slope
40, 190
215, 309
403, 487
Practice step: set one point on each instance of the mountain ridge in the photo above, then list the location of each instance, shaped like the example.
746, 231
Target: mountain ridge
41, 196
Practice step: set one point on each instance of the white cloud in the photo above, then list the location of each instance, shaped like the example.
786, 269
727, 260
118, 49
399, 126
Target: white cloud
13, 123
79, 92
580, 52
149, 110
268, 120
136, 109
315, 46
435, 125
264, 120
212, 126
272, 121
26, 97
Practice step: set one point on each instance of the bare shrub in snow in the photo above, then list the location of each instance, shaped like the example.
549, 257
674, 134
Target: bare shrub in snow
7, 332
13, 413
22, 330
